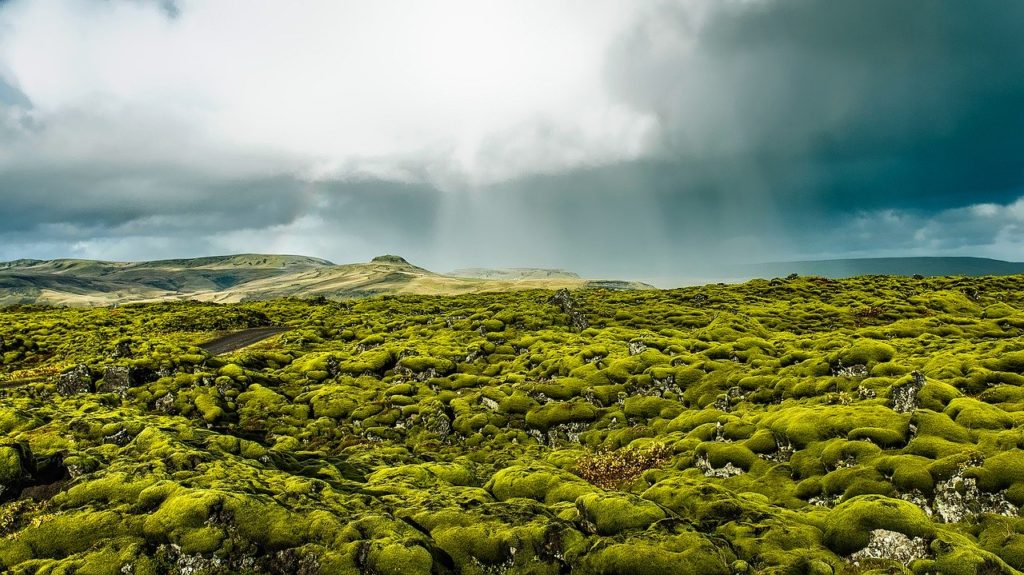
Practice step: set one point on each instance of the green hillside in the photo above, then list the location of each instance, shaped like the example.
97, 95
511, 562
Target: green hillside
249, 277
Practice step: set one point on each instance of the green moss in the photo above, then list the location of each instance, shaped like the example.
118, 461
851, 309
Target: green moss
541, 483
361, 436
1001, 471
556, 413
867, 352
849, 525
11, 470
651, 407
974, 414
880, 436
642, 558
719, 454
611, 513
63, 535
399, 559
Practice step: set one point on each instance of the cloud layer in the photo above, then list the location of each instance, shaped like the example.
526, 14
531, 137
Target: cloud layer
612, 137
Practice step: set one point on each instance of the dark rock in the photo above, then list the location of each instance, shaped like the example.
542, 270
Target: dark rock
569, 306
116, 379
333, 366
389, 259
122, 349
74, 381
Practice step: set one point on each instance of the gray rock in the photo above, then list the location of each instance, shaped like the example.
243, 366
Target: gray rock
892, 545
166, 403
120, 438
74, 381
728, 470
959, 499
904, 397
117, 379
856, 371
569, 306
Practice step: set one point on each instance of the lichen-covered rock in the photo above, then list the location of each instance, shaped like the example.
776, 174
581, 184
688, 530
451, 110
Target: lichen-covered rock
892, 546
904, 397
636, 347
569, 306
165, 403
116, 379
959, 499
75, 381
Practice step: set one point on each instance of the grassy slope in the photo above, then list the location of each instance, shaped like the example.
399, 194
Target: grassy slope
513, 273
718, 429
240, 278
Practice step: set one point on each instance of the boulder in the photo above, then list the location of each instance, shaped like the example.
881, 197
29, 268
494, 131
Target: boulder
117, 379
569, 306
74, 381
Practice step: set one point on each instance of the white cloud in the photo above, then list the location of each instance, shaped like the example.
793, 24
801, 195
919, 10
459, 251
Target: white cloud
458, 91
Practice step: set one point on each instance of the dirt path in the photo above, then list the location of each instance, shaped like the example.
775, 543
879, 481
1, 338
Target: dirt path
239, 339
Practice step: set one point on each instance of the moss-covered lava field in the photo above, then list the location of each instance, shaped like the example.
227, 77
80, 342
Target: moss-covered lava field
798, 425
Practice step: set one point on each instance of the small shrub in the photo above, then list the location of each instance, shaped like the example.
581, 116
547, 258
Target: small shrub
613, 469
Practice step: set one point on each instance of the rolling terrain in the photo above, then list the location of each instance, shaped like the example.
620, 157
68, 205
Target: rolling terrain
246, 277
803, 425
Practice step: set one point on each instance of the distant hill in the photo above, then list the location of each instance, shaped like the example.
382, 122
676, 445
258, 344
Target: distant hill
249, 277
843, 268
512, 273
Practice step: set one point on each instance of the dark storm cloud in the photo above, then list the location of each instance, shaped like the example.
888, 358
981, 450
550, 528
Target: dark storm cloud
715, 132
191, 214
98, 198
846, 105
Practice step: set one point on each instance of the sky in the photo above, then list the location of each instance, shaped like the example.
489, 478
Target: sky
615, 138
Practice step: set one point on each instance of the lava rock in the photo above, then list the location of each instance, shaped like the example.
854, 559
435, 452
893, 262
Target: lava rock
904, 397
117, 379
76, 380
894, 546
569, 306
